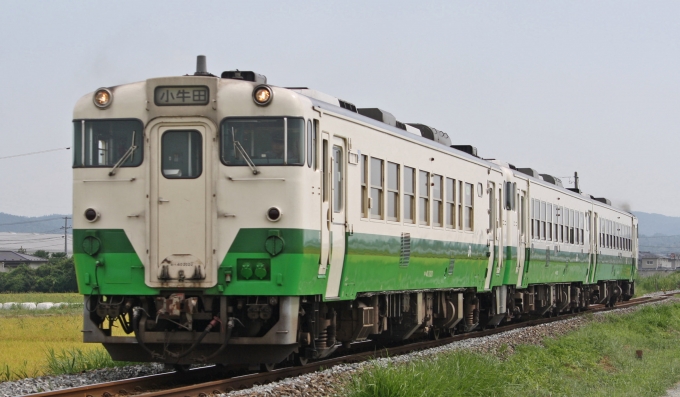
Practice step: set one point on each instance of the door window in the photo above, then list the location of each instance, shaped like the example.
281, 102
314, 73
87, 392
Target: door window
337, 179
182, 154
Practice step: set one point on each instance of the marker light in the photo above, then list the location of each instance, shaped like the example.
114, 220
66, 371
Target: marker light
91, 214
262, 95
274, 214
102, 98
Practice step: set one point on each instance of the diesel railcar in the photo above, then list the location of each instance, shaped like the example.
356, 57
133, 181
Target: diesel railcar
227, 220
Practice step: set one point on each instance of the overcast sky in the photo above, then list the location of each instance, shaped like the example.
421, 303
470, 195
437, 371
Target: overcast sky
558, 86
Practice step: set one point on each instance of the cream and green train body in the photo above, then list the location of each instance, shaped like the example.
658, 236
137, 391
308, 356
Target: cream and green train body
221, 219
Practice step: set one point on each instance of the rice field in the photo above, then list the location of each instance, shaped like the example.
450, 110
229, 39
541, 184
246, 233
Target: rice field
40, 297
44, 342
25, 341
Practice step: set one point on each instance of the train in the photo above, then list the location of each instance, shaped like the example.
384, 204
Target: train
226, 220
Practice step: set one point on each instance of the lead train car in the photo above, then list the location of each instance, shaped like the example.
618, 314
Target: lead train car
229, 221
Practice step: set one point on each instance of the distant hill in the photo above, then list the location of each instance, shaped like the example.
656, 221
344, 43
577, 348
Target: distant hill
40, 224
657, 224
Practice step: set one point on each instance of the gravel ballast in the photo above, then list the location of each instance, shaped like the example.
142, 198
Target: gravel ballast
324, 383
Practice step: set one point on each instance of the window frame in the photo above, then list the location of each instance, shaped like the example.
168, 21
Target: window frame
364, 190
411, 196
471, 206
420, 206
379, 188
303, 150
437, 202
450, 205
162, 153
76, 150
395, 192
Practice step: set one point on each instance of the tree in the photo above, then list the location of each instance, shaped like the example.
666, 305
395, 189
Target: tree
57, 276
20, 279
41, 254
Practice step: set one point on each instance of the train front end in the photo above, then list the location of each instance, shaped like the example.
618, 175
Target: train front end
190, 240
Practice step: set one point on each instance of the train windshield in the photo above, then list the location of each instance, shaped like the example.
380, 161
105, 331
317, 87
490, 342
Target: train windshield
265, 141
103, 143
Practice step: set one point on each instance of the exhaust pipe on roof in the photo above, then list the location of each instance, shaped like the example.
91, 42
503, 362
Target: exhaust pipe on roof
201, 66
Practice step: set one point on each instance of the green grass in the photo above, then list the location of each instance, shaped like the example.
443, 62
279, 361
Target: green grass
657, 282
75, 360
596, 360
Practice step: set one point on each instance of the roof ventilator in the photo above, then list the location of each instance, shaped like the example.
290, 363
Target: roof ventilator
530, 171
245, 75
602, 200
551, 179
471, 150
379, 114
347, 105
433, 134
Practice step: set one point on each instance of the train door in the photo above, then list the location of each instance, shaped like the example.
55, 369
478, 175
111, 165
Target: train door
180, 217
491, 233
595, 245
501, 241
521, 233
338, 221
325, 226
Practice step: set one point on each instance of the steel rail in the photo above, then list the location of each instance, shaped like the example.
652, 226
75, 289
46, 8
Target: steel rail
160, 385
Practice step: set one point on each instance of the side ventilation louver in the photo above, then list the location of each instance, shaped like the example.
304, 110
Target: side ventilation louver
405, 254
452, 263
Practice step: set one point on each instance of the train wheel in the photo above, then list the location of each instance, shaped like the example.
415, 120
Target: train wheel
181, 368
300, 360
435, 333
268, 367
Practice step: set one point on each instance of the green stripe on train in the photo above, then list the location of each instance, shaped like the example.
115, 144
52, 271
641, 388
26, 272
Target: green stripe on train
372, 263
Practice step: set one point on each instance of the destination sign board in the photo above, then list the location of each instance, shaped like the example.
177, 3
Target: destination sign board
186, 95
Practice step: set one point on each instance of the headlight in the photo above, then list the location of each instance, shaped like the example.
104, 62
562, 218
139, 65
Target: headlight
102, 98
262, 95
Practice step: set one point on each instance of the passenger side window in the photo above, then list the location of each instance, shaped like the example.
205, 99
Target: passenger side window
376, 188
409, 194
542, 220
437, 200
424, 197
450, 203
469, 206
392, 191
549, 214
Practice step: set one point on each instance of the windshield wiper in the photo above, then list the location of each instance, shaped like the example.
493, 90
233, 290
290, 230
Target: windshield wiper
243, 153
128, 154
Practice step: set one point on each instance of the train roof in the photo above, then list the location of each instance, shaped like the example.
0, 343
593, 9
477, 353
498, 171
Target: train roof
325, 101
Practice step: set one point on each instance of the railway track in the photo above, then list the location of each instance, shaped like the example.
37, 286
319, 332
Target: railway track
202, 382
